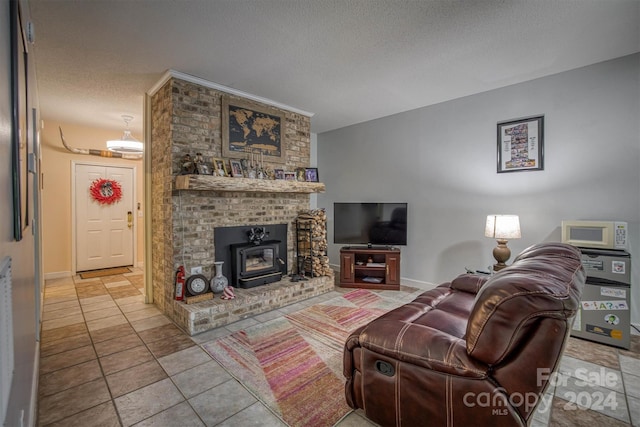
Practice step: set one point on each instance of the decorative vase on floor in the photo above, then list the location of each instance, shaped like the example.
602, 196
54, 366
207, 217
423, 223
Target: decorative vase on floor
218, 282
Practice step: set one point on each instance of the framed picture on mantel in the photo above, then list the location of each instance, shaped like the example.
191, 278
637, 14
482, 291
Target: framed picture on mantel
311, 174
236, 168
251, 130
521, 144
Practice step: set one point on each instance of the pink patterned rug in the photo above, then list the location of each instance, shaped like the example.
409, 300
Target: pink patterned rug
294, 363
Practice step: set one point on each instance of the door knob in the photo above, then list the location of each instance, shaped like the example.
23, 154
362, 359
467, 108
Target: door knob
129, 219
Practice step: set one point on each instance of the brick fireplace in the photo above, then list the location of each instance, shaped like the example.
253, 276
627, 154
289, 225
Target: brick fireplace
185, 119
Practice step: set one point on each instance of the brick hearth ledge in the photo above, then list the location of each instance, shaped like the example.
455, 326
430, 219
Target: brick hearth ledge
206, 315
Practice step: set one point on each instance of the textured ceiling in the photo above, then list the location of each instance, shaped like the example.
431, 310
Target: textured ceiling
347, 61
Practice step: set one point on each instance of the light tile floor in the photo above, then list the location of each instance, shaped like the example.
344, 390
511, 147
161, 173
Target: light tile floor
108, 359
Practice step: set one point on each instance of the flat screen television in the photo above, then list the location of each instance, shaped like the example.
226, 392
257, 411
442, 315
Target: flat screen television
379, 223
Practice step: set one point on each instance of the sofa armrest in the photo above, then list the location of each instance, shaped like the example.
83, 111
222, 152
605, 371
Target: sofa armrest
350, 345
418, 345
469, 282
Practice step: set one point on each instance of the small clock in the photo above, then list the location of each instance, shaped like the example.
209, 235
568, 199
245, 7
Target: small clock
197, 284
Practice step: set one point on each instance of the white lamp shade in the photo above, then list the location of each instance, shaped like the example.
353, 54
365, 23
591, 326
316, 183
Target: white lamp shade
503, 227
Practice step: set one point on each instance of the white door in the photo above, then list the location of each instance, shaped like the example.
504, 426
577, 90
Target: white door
104, 231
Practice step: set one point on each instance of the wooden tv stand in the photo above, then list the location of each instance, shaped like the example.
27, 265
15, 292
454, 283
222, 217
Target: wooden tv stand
370, 268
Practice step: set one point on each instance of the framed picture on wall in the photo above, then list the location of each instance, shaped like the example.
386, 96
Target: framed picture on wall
521, 144
252, 129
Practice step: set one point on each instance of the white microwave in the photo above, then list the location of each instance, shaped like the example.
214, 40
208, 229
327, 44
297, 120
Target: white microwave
595, 234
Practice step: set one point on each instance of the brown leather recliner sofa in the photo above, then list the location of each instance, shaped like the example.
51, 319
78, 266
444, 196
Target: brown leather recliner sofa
479, 350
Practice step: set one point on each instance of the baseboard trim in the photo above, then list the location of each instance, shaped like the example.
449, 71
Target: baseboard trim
35, 382
57, 275
417, 283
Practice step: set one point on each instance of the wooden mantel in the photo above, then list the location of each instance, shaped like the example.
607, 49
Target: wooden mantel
220, 183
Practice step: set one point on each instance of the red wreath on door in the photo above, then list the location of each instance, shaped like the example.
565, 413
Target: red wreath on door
106, 191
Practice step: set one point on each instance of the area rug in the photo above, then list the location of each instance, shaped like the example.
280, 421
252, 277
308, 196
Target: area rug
104, 272
293, 364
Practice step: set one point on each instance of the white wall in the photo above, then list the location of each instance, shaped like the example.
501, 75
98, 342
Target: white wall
441, 159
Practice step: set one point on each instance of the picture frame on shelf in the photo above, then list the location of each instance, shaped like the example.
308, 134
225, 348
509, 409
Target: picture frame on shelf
289, 176
300, 174
239, 138
219, 167
247, 170
521, 144
236, 169
278, 173
311, 175
203, 169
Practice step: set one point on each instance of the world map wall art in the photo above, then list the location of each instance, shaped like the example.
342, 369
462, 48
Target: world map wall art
251, 128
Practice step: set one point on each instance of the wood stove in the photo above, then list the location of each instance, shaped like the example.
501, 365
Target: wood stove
255, 264
229, 241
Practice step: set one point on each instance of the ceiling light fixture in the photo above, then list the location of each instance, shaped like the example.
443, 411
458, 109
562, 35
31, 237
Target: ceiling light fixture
127, 144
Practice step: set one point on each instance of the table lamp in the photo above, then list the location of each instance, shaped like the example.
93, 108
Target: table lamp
502, 228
